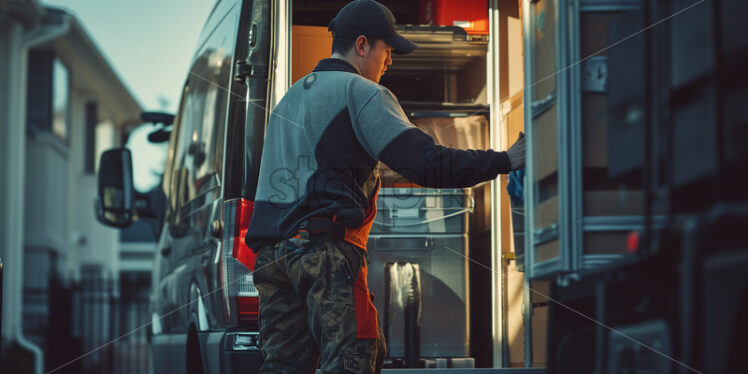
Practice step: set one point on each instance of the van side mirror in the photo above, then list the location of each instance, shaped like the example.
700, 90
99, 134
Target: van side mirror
161, 135
115, 203
157, 117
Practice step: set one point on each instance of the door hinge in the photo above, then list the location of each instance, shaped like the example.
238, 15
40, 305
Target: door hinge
244, 70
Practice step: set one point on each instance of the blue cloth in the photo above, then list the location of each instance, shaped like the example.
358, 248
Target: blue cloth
515, 187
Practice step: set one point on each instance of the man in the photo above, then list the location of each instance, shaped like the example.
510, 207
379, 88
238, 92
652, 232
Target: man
315, 202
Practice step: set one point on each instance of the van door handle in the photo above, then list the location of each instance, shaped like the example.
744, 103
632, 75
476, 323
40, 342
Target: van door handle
165, 251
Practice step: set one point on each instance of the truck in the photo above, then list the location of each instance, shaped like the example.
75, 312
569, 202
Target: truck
601, 264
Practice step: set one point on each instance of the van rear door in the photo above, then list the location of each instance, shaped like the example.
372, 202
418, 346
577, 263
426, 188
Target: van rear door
235, 294
205, 166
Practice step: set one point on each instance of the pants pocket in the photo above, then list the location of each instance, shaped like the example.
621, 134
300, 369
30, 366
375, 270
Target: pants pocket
314, 263
352, 261
264, 274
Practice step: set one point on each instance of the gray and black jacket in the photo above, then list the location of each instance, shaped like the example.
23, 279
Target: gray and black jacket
322, 150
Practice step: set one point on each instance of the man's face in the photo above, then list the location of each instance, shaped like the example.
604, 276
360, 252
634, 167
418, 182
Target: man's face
377, 57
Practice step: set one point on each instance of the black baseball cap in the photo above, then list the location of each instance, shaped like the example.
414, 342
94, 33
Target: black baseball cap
372, 19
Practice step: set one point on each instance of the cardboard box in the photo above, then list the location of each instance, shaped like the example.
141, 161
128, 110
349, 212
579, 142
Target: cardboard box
595, 203
613, 203
595, 130
309, 44
545, 49
547, 251
513, 116
594, 32
539, 322
507, 236
546, 145
594, 41
511, 61
515, 322
513, 314
469, 132
512, 122
544, 84
546, 213
605, 243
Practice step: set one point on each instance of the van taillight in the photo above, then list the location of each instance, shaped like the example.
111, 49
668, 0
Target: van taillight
248, 309
240, 297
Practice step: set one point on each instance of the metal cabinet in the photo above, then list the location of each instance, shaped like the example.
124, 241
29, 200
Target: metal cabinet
427, 228
577, 218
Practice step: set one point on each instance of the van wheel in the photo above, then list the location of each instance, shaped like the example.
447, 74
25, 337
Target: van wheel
194, 357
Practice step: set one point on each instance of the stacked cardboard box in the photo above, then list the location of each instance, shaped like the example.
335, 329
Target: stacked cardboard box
309, 45
601, 197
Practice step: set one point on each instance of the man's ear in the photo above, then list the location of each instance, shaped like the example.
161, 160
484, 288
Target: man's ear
361, 45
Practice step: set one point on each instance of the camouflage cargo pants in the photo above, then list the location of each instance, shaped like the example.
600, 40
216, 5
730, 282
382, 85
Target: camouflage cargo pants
315, 308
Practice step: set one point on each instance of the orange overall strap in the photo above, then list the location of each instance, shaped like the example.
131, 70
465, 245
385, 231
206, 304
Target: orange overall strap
360, 235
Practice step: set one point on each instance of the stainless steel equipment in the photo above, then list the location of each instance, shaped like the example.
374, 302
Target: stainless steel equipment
442, 260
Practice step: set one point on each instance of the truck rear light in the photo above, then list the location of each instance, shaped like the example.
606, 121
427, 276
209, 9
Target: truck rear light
240, 297
248, 308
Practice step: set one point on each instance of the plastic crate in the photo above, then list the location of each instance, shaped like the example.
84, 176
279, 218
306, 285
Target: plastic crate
470, 15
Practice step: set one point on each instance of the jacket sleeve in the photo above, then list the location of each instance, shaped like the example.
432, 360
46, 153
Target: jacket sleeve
387, 135
416, 157
378, 119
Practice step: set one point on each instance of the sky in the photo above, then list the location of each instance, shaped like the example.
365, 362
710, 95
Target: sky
148, 42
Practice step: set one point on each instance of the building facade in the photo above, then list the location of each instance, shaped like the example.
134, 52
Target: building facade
61, 104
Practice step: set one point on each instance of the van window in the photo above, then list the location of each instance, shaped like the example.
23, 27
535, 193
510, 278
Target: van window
198, 156
170, 171
201, 137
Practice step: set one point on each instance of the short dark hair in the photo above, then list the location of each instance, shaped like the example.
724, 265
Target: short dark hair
343, 45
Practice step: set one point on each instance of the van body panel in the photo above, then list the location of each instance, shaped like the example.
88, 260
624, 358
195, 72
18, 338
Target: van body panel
252, 112
168, 353
211, 343
206, 159
198, 169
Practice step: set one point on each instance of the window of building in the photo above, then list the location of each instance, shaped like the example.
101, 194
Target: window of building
48, 94
104, 135
60, 99
92, 117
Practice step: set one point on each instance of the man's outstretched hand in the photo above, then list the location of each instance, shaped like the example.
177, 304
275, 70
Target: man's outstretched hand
516, 153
